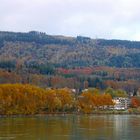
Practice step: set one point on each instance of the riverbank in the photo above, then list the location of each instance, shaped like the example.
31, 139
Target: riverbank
95, 112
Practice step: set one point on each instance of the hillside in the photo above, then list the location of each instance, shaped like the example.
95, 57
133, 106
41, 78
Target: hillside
77, 63
33, 49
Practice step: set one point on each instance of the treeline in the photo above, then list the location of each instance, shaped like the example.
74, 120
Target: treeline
43, 38
29, 99
119, 43
33, 36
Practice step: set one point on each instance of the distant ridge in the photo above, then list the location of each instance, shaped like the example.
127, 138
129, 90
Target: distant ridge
35, 48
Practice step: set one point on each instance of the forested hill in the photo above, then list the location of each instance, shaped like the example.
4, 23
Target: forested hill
36, 48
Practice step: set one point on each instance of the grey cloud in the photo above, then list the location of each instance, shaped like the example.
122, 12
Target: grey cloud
95, 18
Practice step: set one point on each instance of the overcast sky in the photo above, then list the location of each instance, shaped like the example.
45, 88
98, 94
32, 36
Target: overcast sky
119, 19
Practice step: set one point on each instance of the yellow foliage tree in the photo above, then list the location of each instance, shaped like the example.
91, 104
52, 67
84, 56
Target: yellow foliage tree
21, 99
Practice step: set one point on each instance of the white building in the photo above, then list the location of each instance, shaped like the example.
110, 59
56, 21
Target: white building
121, 103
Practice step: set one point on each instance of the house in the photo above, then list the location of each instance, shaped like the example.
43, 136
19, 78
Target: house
121, 103
85, 90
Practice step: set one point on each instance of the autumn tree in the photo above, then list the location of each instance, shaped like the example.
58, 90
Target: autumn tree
89, 101
66, 98
21, 99
135, 102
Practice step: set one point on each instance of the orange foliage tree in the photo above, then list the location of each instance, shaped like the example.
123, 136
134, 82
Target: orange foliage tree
135, 102
88, 101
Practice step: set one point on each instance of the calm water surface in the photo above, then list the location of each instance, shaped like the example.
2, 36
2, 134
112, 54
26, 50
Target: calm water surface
71, 127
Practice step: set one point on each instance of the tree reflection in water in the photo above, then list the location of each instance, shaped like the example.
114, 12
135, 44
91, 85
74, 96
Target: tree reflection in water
71, 127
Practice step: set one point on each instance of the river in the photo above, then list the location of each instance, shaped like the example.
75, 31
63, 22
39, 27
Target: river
71, 127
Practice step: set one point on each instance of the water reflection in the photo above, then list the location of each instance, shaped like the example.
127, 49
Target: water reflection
71, 127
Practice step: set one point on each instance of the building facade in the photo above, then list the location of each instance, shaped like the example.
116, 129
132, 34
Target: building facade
121, 103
